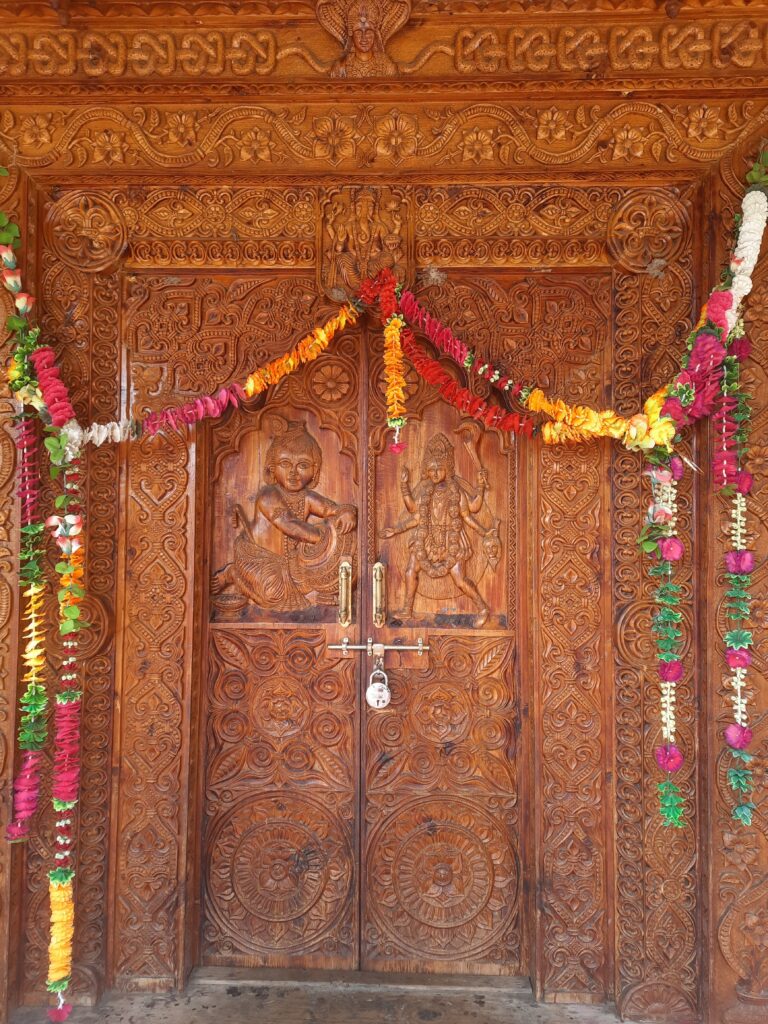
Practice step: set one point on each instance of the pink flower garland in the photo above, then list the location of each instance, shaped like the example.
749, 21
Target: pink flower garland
29, 470
26, 796
53, 388
207, 407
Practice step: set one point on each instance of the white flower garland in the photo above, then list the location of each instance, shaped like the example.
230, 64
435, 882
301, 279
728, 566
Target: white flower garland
754, 208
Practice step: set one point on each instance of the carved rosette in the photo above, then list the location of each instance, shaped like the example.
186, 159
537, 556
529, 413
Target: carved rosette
86, 232
287, 865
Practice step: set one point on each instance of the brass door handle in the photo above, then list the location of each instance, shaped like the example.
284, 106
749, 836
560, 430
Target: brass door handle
345, 594
379, 595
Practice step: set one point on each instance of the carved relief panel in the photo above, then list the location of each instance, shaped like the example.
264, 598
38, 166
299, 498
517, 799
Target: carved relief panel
441, 846
286, 539
364, 229
443, 526
280, 825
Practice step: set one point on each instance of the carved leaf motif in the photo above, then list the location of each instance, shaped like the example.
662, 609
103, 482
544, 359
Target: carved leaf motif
491, 660
230, 649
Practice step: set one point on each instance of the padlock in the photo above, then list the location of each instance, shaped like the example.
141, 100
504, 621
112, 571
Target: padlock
378, 695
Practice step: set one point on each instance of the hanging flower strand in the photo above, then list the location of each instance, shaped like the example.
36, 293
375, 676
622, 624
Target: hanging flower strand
732, 430
384, 290
394, 375
492, 416
659, 538
67, 530
33, 703
739, 565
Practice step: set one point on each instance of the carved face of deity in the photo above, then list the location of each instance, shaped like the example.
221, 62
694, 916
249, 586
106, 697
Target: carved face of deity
293, 461
293, 471
362, 29
435, 470
363, 214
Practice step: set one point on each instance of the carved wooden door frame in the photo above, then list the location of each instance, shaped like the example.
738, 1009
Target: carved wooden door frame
100, 123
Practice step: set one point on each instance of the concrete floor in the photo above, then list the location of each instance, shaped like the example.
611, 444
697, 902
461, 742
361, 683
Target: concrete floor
226, 996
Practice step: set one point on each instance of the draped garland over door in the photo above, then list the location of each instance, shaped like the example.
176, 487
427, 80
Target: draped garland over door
707, 385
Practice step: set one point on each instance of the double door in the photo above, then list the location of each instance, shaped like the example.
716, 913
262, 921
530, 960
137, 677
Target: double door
339, 835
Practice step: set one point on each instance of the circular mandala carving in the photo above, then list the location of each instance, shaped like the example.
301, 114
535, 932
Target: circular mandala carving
278, 870
444, 879
645, 227
440, 713
441, 880
279, 874
86, 232
280, 708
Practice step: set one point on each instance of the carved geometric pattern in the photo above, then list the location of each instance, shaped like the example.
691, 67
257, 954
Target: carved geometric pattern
189, 334
547, 329
656, 935
86, 231
556, 225
570, 523
656, 49
279, 866
153, 804
646, 228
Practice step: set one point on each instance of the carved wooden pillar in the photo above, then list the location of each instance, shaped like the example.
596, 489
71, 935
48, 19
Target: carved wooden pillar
738, 862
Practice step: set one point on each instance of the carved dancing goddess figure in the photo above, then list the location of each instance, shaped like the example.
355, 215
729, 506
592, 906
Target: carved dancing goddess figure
438, 511
311, 550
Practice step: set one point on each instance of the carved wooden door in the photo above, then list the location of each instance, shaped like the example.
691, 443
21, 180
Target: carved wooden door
337, 835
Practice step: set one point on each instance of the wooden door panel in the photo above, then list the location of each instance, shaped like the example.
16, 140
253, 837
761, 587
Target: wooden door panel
280, 833
281, 779
440, 847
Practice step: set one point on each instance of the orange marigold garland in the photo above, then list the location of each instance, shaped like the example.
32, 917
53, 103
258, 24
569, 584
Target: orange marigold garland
308, 348
394, 375
385, 290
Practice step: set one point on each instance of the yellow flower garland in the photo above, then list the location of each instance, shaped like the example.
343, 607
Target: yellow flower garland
62, 932
305, 351
641, 432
